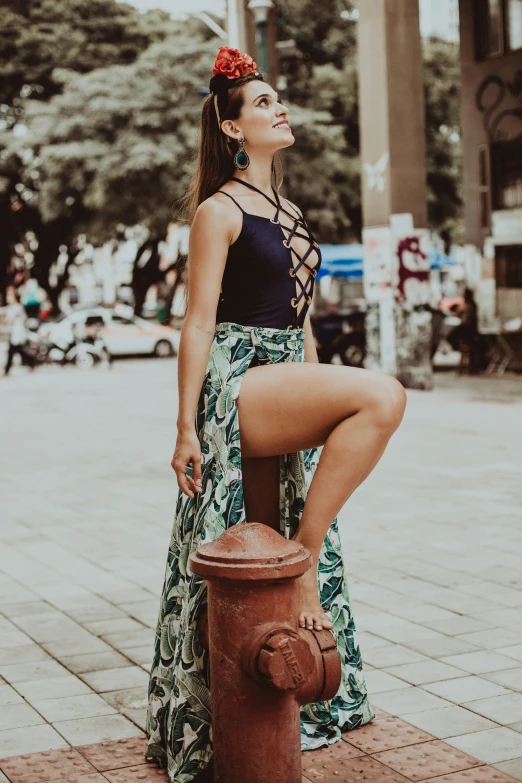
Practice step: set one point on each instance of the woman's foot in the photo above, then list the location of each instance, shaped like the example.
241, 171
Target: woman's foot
311, 614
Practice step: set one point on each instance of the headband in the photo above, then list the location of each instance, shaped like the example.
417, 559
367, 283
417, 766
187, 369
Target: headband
230, 65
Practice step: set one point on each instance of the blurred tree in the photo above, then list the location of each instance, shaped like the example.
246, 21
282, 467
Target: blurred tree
36, 37
114, 147
43, 45
443, 139
322, 168
321, 177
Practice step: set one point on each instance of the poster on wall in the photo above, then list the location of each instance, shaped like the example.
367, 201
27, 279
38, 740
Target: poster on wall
377, 262
387, 337
412, 265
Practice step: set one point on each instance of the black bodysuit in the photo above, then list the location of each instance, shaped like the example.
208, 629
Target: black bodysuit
260, 286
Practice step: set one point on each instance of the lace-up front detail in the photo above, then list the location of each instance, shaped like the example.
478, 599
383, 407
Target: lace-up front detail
285, 240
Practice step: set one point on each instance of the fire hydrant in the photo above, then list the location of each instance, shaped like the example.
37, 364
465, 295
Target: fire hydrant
263, 666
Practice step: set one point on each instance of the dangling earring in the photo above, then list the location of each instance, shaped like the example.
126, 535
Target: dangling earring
241, 159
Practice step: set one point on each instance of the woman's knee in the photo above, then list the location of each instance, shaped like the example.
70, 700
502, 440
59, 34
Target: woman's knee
387, 402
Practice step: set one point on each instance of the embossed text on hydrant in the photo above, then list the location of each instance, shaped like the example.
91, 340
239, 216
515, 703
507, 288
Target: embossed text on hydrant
291, 662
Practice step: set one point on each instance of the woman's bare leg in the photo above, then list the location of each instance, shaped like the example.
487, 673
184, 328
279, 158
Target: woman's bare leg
351, 412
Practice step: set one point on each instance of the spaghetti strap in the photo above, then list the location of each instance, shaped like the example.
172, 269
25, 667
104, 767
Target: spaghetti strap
233, 199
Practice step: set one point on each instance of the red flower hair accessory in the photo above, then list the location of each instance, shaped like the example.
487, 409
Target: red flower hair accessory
232, 63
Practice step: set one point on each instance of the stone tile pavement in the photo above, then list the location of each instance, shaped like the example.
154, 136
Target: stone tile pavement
433, 545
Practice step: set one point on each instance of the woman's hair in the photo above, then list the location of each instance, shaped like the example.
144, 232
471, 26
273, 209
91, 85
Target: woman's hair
215, 158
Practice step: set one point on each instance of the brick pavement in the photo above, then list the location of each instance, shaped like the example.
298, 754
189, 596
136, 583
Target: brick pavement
387, 751
433, 544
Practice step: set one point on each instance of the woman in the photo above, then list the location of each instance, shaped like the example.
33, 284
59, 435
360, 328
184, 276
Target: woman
247, 355
467, 334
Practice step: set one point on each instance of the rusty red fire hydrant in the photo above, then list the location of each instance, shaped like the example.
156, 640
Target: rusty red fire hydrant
263, 666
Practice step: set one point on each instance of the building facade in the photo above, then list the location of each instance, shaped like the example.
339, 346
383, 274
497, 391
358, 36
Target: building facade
491, 63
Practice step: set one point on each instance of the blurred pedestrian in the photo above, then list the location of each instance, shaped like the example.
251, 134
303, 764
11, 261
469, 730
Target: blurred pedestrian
46, 308
16, 319
32, 296
93, 335
468, 333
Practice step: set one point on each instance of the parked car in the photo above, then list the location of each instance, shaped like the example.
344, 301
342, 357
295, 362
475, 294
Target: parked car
123, 332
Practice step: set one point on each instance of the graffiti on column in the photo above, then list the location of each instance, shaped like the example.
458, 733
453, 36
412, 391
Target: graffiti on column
413, 271
502, 119
376, 173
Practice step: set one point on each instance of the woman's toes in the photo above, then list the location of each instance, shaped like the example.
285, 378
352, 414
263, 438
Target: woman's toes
324, 622
312, 621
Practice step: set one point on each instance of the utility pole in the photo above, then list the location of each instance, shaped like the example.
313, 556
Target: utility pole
251, 29
261, 10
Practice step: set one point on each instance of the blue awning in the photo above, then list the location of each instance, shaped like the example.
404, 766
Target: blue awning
346, 261
341, 261
439, 260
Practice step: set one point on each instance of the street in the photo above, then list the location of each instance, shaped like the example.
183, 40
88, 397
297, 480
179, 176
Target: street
433, 545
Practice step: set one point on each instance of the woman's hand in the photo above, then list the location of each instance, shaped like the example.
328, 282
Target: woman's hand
187, 454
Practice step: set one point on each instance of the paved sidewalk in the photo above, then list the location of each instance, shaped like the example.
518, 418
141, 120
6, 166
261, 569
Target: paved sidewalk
389, 750
433, 544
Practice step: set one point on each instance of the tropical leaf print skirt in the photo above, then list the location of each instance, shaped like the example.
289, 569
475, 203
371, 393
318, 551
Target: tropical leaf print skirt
179, 721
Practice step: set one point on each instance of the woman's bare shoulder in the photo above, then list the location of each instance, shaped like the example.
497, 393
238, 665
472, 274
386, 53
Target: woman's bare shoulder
215, 213
214, 207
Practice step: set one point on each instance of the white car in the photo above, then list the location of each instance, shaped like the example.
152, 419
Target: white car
124, 333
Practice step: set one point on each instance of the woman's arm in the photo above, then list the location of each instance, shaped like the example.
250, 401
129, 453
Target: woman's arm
309, 342
210, 237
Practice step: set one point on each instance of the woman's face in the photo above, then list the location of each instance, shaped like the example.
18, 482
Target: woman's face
263, 121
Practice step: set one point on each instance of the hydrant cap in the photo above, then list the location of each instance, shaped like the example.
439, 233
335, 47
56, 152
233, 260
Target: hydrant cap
250, 551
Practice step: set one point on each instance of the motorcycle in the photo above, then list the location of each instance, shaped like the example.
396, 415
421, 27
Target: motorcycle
80, 352
341, 335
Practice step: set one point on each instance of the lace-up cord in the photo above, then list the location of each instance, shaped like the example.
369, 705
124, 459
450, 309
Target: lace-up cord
307, 288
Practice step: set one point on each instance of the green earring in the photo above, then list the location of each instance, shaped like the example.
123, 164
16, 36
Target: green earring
241, 159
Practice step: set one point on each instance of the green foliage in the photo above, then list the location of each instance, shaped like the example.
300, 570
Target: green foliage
443, 138
98, 110
116, 145
37, 36
322, 178
322, 169
323, 32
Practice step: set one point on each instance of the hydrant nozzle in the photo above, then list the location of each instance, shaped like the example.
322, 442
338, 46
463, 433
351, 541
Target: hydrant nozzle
277, 656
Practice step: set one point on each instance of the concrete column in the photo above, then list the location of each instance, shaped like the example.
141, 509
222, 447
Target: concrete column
393, 160
236, 26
